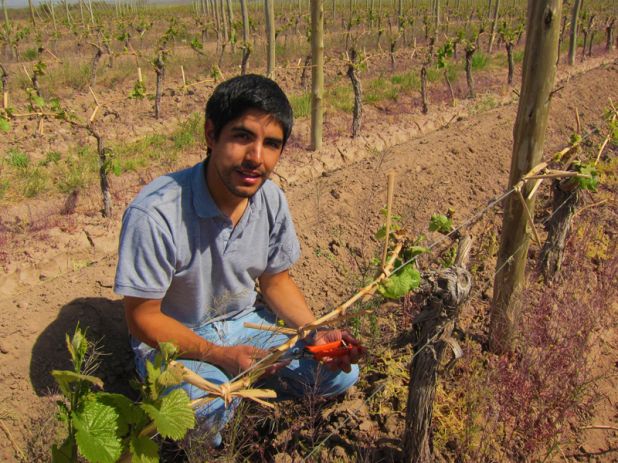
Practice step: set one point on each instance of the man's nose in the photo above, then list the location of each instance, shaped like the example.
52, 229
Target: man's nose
255, 153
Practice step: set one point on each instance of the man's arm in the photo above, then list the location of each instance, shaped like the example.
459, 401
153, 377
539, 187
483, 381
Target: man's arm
285, 299
148, 324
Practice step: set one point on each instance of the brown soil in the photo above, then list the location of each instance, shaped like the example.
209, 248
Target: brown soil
66, 278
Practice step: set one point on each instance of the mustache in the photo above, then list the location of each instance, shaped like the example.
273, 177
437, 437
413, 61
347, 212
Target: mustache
252, 166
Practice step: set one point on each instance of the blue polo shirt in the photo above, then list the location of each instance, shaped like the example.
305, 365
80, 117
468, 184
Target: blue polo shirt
177, 246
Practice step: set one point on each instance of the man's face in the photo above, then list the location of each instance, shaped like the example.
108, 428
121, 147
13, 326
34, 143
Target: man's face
245, 153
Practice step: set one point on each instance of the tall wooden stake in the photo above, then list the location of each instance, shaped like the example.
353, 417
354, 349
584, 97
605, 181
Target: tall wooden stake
270, 37
389, 210
539, 72
573, 37
317, 72
246, 46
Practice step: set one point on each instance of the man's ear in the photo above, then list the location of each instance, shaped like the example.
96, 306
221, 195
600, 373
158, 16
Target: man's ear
209, 130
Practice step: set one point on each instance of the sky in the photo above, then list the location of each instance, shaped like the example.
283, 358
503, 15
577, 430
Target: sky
23, 3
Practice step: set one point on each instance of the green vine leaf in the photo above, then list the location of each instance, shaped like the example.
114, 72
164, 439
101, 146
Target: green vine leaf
172, 414
77, 346
587, 183
441, 224
414, 251
97, 432
64, 453
143, 450
139, 90
65, 378
170, 377
129, 413
38, 102
401, 283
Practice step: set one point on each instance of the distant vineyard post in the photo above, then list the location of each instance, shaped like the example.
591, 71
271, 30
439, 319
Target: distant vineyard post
269, 11
539, 72
317, 72
494, 25
32, 18
573, 36
246, 46
6, 15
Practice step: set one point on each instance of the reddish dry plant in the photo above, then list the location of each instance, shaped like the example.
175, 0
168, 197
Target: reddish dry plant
539, 387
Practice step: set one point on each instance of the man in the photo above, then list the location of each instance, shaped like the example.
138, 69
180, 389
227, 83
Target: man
193, 244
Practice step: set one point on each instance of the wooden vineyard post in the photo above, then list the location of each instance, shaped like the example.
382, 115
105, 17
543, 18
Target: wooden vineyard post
446, 291
32, 18
494, 25
317, 72
539, 72
270, 37
573, 36
7, 23
246, 46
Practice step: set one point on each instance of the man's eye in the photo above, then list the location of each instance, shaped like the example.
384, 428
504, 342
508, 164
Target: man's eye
274, 144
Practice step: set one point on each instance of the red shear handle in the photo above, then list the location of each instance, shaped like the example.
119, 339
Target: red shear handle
330, 350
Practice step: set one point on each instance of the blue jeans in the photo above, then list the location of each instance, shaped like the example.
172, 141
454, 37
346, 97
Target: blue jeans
297, 379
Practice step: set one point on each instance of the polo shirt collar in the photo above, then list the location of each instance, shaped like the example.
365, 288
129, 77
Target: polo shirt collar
203, 203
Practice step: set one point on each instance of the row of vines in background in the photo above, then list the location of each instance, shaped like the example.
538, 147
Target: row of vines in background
428, 40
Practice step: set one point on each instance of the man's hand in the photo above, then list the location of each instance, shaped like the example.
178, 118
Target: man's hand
236, 359
345, 361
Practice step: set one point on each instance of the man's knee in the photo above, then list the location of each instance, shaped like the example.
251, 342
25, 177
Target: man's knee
337, 383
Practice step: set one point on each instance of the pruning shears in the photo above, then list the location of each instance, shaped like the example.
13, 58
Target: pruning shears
330, 350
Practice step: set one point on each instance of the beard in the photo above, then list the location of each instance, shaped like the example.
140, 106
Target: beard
232, 179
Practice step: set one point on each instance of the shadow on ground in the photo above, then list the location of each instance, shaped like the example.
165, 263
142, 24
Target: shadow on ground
103, 321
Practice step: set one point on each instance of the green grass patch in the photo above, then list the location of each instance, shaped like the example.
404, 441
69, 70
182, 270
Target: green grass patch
158, 148
479, 61
79, 167
30, 54
36, 181
301, 105
485, 103
341, 97
72, 75
52, 157
518, 56
4, 187
189, 132
407, 82
380, 89
78, 171
434, 74
17, 159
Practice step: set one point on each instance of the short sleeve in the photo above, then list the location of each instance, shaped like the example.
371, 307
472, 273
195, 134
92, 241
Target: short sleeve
283, 247
146, 257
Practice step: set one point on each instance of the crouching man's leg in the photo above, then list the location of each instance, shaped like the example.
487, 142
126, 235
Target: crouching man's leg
212, 417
